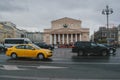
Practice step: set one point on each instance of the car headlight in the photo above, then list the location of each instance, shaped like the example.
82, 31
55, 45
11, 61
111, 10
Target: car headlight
48, 52
114, 48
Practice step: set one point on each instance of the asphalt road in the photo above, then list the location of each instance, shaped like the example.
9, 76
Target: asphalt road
64, 65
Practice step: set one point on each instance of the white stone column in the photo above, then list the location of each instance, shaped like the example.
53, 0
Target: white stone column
71, 37
80, 36
50, 38
75, 37
63, 38
54, 38
59, 38
67, 38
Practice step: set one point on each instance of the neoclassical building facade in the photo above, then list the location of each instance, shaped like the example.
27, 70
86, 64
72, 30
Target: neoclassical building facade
9, 30
65, 31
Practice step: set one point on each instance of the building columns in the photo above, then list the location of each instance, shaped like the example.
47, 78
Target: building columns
67, 39
63, 38
80, 37
75, 37
51, 39
59, 38
54, 38
71, 37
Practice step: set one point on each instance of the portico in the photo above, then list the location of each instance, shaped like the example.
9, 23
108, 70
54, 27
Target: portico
66, 31
64, 38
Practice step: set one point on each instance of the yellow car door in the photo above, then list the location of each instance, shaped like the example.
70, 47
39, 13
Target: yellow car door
19, 50
30, 51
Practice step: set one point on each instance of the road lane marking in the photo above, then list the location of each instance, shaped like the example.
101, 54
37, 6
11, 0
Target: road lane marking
22, 67
11, 67
23, 77
43, 67
50, 67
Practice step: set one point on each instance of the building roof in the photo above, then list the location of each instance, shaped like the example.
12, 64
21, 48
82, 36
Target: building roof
66, 19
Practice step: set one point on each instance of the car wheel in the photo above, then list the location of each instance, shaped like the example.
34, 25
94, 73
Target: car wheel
14, 55
40, 56
80, 53
111, 51
114, 53
104, 53
88, 54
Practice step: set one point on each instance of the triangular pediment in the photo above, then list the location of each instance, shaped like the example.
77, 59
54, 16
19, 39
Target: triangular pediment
65, 19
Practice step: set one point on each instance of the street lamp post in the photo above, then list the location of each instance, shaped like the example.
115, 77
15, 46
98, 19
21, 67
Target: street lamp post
106, 12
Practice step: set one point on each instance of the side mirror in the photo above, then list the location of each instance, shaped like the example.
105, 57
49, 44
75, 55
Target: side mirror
5, 49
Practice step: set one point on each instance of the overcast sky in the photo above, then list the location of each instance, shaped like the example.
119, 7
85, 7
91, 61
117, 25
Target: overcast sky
36, 15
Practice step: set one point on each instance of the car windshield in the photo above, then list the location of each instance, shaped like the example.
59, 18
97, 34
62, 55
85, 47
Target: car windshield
101, 45
108, 45
35, 46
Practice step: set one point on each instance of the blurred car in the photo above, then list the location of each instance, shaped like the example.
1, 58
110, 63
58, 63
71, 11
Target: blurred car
112, 48
89, 48
44, 45
29, 51
2, 48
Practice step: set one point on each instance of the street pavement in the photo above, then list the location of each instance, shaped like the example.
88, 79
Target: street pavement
64, 65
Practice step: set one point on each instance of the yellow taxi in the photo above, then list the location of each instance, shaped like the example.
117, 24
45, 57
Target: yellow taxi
29, 51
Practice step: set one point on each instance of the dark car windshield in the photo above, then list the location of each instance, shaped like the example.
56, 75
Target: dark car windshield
100, 45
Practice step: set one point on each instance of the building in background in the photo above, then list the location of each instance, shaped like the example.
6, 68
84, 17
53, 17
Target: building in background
65, 31
2, 33
35, 36
9, 30
6, 30
119, 34
101, 35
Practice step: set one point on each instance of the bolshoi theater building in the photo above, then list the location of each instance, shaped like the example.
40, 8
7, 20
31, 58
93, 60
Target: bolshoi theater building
65, 31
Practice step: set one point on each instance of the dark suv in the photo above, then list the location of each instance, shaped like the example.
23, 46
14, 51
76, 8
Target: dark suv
44, 45
89, 48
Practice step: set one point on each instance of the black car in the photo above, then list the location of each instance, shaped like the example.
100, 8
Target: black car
44, 45
2, 48
89, 48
